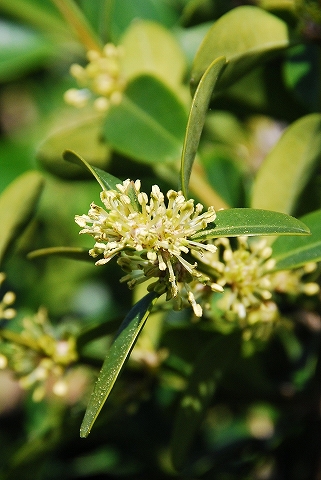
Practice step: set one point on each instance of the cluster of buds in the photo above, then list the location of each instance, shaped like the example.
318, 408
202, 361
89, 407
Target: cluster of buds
100, 79
150, 238
6, 310
39, 360
246, 272
291, 282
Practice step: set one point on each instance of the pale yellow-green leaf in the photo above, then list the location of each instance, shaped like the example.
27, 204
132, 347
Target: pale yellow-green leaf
17, 206
151, 48
196, 119
287, 168
246, 36
80, 131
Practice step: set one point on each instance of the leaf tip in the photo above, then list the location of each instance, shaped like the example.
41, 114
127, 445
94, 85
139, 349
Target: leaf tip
84, 431
71, 156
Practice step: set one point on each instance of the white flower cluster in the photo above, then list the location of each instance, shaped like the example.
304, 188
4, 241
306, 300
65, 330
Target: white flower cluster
100, 79
250, 284
150, 237
37, 357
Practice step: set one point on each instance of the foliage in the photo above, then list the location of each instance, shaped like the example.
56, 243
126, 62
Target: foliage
210, 360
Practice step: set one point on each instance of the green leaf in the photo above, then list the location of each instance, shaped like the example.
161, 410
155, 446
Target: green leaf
105, 180
74, 253
117, 355
126, 12
151, 48
246, 36
149, 124
18, 203
235, 222
40, 14
224, 174
209, 368
79, 131
79, 24
197, 118
21, 49
190, 38
14, 153
293, 252
287, 168
262, 91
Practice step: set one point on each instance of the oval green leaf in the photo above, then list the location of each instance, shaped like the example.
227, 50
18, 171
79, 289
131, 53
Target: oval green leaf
149, 124
105, 180
287, 168
196, 119
293, 252
236, 222
151, 48
246, 36
79, 131
117, 355
18, 203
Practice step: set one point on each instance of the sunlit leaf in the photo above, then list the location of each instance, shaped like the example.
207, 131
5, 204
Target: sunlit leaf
293, 252
151, 48
80, 132
18, 203
246, 36
149, 124
287, 168
197, 118
235, 222
105, 180
117, 355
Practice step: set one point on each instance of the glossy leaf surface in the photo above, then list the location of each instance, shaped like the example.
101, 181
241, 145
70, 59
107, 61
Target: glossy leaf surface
287, 168
293, 252
246, 36
17, 206
116, 357
235, 222
149, 124
197, 118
